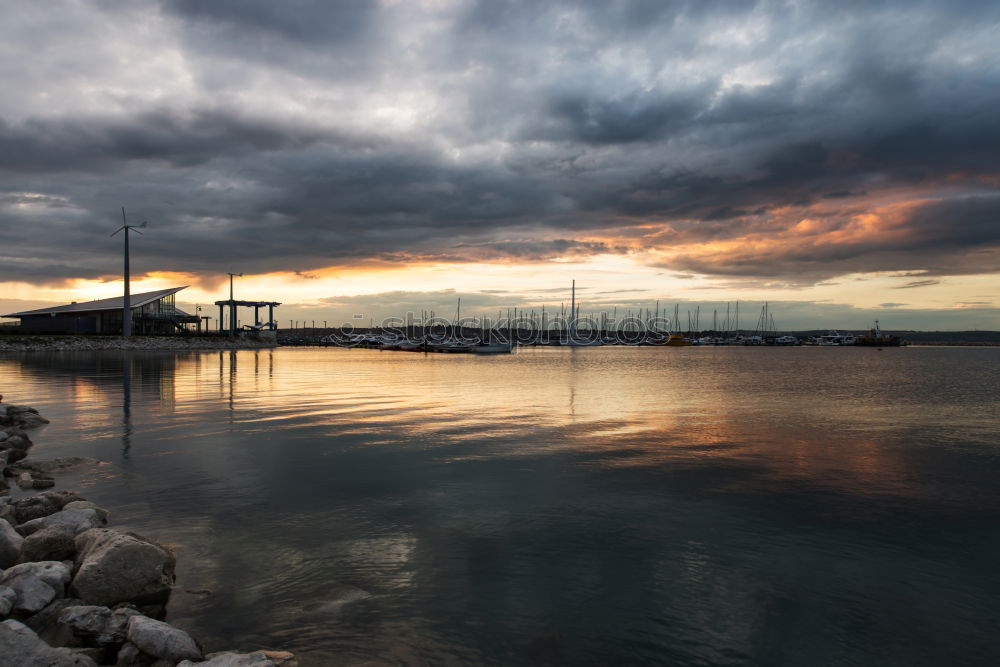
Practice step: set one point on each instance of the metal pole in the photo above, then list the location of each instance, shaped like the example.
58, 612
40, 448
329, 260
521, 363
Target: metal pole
572, 310
127, 303
232, 308
232, 305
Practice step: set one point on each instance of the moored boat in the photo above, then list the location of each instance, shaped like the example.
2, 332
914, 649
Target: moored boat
875, 338
835, 339
676, 340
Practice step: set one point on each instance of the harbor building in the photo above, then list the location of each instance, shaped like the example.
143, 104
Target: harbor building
152, 313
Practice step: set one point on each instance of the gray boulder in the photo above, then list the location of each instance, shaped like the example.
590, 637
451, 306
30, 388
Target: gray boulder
161, 640
17, 442
33, 507
13, 454
7, 599
105, 626
98, 655
129, 655
54, 573
76, 520
118, 567
35, 480
25, 480
10, 544
18, 627
85, 620
46, 624
18, 409
35, 584
23, 416
51, 543
63, 498
59, 464
252, 659
32, 593
87, 505
31, 420
20, 647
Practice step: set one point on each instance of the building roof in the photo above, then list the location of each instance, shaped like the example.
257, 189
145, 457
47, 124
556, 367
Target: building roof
114, 303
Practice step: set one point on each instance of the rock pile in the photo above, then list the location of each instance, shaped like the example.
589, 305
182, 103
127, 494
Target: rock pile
14, 444
75, 593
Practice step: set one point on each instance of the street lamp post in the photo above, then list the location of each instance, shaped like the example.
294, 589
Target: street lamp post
232, 305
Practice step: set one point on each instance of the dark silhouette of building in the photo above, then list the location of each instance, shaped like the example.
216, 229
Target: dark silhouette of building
152, 313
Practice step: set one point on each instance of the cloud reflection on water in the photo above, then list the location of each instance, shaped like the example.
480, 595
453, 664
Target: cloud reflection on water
658, 505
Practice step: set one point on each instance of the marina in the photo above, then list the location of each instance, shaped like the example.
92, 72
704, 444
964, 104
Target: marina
535, 327
479, 340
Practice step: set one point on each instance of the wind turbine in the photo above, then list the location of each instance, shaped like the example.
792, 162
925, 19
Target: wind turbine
126, 304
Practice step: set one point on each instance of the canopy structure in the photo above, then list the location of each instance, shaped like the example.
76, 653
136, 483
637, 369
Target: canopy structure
257, 325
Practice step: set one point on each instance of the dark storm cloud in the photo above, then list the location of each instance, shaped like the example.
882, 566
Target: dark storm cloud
294, 136
181, 139
589, 118
297, 21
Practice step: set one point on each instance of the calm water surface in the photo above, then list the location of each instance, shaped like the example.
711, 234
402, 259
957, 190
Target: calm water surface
685, 506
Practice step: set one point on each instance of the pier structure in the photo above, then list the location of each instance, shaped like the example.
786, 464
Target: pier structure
233, 305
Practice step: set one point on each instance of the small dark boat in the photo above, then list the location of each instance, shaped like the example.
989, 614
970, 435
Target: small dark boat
875, 338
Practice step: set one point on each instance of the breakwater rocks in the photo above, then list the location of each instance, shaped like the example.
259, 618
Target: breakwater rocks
14, 443
74, 592
85, 343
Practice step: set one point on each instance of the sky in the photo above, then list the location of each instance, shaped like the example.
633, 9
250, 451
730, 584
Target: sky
355, 160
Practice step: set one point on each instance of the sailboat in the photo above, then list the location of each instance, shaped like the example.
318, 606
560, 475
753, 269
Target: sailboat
486, 344
571, 340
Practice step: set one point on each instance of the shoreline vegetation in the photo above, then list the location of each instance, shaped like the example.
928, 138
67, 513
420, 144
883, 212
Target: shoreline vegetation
74, 593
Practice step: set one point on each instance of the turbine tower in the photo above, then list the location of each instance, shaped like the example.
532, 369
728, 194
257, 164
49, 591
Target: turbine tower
126, 304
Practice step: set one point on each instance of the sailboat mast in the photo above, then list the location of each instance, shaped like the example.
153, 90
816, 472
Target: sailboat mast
572, 308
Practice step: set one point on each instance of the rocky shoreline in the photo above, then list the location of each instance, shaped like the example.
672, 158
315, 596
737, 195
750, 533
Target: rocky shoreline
76, 593
85, 343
